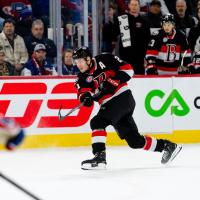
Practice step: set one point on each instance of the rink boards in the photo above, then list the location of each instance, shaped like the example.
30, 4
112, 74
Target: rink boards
166, 107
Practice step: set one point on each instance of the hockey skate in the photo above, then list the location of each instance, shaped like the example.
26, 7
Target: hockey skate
98, 162
171, 150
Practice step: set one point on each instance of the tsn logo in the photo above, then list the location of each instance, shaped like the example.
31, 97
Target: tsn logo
36, 100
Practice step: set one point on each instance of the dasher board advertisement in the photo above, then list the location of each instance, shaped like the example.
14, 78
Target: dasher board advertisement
163, 104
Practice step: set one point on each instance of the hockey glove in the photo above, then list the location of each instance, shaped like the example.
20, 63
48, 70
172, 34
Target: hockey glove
183, 70
192, 70
152, 71
15, 141
87, 99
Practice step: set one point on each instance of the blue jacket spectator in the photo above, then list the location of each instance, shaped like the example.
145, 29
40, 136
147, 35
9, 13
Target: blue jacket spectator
68, 68
38, 64
37, 37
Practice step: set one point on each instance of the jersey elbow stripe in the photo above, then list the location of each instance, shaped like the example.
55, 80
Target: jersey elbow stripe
152, 53
128, 69
128, 72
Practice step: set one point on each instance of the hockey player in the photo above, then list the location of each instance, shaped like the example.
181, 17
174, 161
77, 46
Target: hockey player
106, 77
11, 134
195, 65
168, 50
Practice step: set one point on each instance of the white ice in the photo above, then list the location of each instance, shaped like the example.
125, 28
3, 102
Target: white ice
55, 174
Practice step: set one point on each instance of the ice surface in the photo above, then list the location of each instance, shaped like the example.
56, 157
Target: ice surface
55, 174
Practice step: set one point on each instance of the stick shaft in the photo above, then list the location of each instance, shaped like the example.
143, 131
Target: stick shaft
71, 111
18, 186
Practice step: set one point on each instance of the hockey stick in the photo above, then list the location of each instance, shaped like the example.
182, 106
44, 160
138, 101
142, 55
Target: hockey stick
71, 111
60, 117
182, 69
19, 187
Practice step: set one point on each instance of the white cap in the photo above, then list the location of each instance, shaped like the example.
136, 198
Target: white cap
39, 47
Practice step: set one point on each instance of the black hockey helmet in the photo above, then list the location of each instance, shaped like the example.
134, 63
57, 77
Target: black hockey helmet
82, 52
168, 18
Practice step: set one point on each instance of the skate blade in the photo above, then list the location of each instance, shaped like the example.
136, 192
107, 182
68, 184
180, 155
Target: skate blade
100, 166
174, 154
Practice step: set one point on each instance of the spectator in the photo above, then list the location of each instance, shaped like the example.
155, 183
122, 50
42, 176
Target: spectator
41, 11
194, 34
144, 4
1, 23
13, 45
167, 49
198, 4
37, 37
154, 15
183, 20
68, 68
195, 65
122, 6
6, 69
38, 64
198, 13
107, 33
134, 37
21, 12
171, 5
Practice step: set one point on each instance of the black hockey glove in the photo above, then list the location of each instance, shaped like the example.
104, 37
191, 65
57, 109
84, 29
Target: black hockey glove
193, 70
152, 71
87, 99
183, 70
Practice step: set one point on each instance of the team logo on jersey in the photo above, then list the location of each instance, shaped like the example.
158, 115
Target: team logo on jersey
89, 79
171, 53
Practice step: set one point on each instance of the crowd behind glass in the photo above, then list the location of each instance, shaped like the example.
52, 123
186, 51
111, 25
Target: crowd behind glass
25, 49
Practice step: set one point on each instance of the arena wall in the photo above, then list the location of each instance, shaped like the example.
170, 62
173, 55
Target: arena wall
166, 107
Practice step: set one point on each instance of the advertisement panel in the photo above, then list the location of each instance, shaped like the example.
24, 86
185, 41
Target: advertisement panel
151, 113
169, 106
189, 91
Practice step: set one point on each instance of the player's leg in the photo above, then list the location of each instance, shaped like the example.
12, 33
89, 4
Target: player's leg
127, 128
98, 125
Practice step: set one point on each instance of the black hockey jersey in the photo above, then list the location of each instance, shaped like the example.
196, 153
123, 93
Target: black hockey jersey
166, 52
104, 66
195, 65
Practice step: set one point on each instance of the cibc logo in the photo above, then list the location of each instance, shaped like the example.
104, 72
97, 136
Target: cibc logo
35, 92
